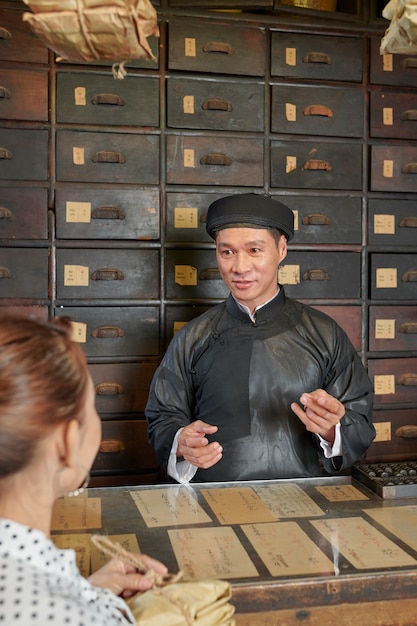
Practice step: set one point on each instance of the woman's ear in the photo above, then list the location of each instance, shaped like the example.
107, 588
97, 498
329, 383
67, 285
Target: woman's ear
69, 442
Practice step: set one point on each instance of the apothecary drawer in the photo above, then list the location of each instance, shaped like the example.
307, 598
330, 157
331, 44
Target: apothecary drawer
215, 105
24, 272
391, 69
214, 160
394, 380
193, 274
396, 436
107, 157
325, 219
121, 387
392, 328
107, 274
17, 42
323, 57
187, 216
393, 115
17, 162
197, 46
23, 213
394, 276
124, 448
392, 222
114, 331
316, 275
310, 110
86, 98
394, 168
316, 165
24, 95
97, 213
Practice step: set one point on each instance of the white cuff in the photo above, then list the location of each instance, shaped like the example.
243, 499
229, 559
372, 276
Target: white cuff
335, 449
181, 471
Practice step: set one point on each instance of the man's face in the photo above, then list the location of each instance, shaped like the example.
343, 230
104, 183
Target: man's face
248, 260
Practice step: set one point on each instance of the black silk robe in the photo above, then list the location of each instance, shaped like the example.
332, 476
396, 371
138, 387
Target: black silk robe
242, 376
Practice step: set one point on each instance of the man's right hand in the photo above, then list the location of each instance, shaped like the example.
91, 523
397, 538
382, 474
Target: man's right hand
195, 448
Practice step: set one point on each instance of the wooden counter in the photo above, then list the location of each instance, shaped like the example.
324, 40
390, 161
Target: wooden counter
311, 551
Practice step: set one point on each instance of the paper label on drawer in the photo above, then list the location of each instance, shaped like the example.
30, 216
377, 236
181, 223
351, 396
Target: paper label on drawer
290, 112
79, 96
79, 332
388, 168
387, 116
189, 47
76, 276
295, 219
78, 155
185, 275
386, 278
384, 384
289, 275
387, 63
291, 56
384, 329
384, 224
383, 431
178, 326
185, 217
188, 104
78, 212
189, 157
290, 164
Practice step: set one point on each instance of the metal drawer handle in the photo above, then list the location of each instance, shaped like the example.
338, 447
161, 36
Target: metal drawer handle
107, 213
317, 57
109, 389
5, 93
5, 153
317, 164
108, 98
108, 156
218, 46
5, 272
409, 168
409, 116
107, 332
216, 158
316, 219
4, 33
408, 328
112, 446
5, 214
410, 276
316, 275
407, 432
107, 273
210, 273
408, 380
409, 62
203, 218
216, 104
408, 222
318, 109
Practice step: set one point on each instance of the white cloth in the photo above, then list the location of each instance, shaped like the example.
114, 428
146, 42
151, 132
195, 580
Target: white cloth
41, 585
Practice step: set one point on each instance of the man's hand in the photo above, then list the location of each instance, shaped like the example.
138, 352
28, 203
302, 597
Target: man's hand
321, 413
194, 446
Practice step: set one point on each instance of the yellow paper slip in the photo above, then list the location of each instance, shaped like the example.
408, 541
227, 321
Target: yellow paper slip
286, 550
211, 553
401, 521
341, 493
288, 500
76, 514
362, 544
81, 543
237, 505
169, 507
129, 542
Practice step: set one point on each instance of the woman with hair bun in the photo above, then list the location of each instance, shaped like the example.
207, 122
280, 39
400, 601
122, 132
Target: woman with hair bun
49, 436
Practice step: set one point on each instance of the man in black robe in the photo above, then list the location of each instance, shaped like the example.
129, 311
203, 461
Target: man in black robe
260, 386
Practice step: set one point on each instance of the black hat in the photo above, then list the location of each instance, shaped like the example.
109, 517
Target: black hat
250, 209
